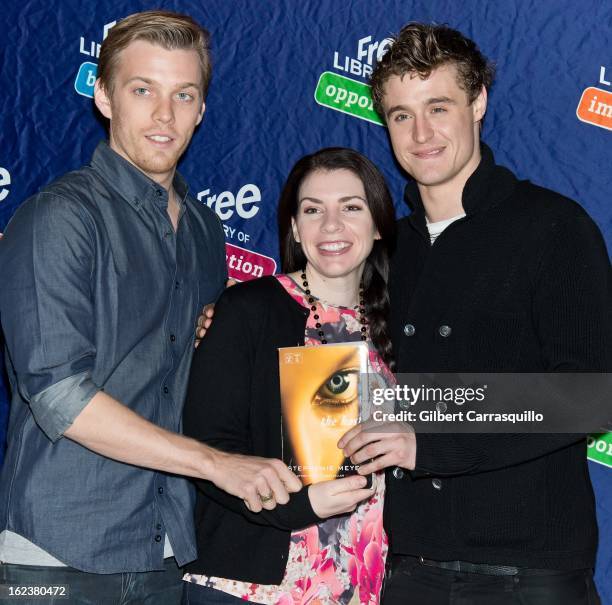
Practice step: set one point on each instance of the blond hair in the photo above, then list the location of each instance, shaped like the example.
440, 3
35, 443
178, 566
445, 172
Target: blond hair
169, 30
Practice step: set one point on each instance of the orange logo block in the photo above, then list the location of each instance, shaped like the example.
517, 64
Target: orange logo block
595, 107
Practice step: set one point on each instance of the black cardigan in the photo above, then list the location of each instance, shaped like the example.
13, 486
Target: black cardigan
524, 283
233, 403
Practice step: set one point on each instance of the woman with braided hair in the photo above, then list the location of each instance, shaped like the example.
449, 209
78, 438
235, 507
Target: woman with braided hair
327, 543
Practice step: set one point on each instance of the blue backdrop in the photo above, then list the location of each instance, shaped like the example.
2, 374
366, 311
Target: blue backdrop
289, 78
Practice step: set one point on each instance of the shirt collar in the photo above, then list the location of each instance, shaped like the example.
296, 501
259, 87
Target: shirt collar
131, 183
487, 186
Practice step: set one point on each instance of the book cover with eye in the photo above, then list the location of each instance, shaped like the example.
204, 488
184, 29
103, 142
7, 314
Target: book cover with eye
323, 394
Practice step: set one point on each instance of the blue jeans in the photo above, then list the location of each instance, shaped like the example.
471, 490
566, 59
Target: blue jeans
196, 594
128, 588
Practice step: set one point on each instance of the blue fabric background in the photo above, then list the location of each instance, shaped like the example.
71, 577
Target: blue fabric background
262, 115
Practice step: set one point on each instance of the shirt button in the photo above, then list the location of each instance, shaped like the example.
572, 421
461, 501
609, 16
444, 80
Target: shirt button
158, 538
409, 330
436, 483
159, 192
158, 526
166, 390
445, 331
441, 406
160, 490
404, 404
172, 337
398, 473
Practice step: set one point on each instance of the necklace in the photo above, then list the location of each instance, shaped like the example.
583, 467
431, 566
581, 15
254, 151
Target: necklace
313, 307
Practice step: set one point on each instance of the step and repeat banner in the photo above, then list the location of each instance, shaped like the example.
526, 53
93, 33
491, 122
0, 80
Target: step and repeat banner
290, 77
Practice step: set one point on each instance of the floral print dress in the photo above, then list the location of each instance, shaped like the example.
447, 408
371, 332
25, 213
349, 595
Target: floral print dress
342, 559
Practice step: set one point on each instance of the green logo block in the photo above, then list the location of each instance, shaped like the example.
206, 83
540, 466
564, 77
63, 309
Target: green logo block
599, 448
346, 95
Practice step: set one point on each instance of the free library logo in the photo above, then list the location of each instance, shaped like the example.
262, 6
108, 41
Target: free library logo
595, 106
86, 76
244, 265
599, 448
348, 95
5, 181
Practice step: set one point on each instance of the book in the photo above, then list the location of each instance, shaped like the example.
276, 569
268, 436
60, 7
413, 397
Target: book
323, 394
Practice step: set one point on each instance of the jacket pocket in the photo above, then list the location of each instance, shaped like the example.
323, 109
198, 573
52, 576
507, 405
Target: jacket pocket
504, 508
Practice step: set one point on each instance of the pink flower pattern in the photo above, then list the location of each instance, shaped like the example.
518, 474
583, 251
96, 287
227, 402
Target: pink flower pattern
341, 560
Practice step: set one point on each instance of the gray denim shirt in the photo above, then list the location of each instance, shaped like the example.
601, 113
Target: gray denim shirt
97, 292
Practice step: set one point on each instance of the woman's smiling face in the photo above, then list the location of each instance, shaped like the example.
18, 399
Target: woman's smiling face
333, 224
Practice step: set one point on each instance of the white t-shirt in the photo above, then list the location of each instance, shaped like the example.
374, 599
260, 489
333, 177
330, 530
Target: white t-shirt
436, 228
18, 550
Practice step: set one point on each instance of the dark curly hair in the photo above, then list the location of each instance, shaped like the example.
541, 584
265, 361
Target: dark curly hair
420, 48
376, 269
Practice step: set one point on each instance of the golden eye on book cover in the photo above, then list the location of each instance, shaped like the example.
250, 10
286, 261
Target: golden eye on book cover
323, 394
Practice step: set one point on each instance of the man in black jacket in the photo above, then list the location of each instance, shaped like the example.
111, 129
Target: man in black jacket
491, 274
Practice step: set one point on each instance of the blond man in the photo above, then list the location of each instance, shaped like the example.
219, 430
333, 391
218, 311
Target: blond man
106, 270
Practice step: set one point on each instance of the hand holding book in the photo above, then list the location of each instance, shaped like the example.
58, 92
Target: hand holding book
380, 445
338, 496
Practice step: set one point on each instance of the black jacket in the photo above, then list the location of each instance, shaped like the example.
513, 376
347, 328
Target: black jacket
524, 283
233, 403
